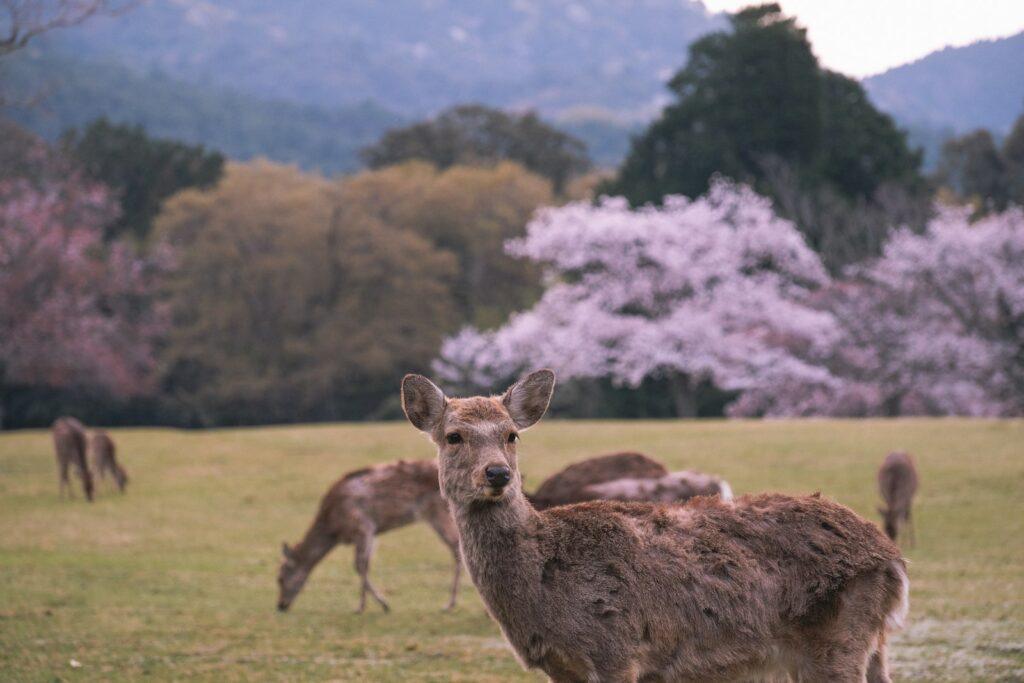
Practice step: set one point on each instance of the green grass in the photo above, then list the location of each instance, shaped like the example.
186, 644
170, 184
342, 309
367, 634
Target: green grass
175, 579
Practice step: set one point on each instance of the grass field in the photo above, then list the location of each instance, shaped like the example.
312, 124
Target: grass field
176, 579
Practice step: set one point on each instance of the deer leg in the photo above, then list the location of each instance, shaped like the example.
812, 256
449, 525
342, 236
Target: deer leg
364, 550
911, 536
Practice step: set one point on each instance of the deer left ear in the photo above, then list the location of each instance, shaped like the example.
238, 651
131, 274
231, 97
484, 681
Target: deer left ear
527, 400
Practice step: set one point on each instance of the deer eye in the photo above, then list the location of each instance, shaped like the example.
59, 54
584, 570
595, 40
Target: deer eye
453, 438
513, 437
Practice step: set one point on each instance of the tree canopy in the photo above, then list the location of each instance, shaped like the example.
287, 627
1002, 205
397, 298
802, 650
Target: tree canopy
141, 171
475, 134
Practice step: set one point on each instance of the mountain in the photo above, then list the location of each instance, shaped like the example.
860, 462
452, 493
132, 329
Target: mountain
66, 92
412, 56
977, 86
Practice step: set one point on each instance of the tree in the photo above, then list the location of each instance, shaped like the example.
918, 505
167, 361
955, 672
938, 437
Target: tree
974, 169
23, 20
934, 326
142, 171
754, 99
474, 134
712, 289
74, 311
979, 173
290, 304
468, 211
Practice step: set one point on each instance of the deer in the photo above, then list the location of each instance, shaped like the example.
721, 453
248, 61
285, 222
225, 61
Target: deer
897, 483
674, 487
104, 458
712, 590
568, 485
359, 506
70, 446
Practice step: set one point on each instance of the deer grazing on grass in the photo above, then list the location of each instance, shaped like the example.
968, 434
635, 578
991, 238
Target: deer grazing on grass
897, 482
675, 487
104, 458
610, 591
69, 443
569, 485
361, 505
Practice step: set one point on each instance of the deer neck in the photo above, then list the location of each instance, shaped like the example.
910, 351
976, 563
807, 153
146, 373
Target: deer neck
314, 545
499, 546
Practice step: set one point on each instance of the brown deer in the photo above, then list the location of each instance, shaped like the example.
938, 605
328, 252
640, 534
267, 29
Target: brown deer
897, 482
358, 507
568, 485
104, 458
611, 591
675, 487
69, 443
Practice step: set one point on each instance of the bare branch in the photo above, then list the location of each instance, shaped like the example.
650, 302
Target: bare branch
23, 20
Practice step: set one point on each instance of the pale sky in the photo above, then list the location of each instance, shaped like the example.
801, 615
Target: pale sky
865, 37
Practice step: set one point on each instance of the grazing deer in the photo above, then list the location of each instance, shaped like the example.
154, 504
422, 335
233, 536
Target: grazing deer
361, 505
611, 591
104, 458
897, 482
568, 485
675, 487
69, 443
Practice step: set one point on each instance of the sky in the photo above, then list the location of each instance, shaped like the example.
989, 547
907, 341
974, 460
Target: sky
864, 37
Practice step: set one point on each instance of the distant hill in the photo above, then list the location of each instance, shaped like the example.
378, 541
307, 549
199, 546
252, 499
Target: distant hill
412, 56
68, 92
977, 86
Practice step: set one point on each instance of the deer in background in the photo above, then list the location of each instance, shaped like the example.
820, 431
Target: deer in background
358, 507
674, 487
569, 485
104, 458
69, 443
611, 591
897, 482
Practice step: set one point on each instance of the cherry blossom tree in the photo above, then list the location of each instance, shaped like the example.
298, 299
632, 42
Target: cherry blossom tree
715, 288
73, 310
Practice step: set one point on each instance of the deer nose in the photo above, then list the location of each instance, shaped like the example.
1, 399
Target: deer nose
498, 475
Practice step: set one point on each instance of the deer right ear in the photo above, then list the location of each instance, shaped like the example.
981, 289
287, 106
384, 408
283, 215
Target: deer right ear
286, 551
422, 402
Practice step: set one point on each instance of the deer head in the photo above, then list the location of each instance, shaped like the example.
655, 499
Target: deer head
476, 437
290, 578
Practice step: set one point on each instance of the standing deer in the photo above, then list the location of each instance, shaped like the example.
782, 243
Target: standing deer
897, 482
675, 487
611, 591
569, 485
361, 505
69, 443
104, 458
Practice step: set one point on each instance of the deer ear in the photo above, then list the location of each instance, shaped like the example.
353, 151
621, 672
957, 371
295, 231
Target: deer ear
527, 400
286, 551
422, 402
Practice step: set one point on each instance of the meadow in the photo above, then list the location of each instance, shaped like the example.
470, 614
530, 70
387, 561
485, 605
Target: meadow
176, 578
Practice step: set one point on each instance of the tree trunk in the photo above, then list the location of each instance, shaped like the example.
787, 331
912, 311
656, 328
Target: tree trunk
684, 395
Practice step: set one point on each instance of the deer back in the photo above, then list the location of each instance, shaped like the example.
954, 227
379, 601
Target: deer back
570, 484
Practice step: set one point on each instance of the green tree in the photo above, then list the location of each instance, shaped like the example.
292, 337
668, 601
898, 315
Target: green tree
474, 134
470, 212
142, 171
973, 168
1013, 155
290, 304
753, 101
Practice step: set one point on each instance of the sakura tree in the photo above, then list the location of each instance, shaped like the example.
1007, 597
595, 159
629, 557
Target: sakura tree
715, 288
73, 310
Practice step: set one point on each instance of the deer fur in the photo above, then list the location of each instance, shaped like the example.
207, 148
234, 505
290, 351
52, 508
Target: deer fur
675, 487
69, 444
569, 485
897, 482
104, 458
358, 507
611, 591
